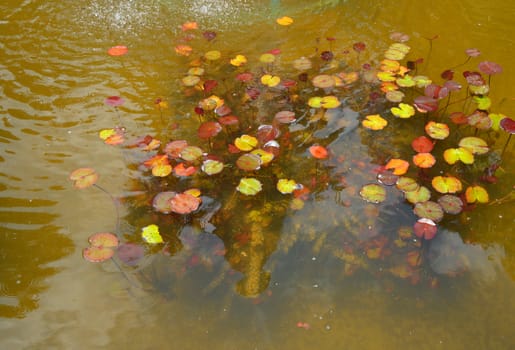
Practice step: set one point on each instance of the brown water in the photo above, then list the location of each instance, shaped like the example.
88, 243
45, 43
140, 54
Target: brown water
55, 76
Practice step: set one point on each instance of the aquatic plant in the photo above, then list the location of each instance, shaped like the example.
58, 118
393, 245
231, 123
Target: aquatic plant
262, 149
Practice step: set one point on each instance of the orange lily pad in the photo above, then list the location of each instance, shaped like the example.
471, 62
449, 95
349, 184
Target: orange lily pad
83, 177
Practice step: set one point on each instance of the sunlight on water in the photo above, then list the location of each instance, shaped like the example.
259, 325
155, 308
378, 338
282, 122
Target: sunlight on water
217, 285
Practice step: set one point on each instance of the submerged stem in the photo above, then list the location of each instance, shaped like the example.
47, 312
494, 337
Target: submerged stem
116, 207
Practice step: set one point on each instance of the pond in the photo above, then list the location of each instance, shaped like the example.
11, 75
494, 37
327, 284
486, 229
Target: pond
319, 263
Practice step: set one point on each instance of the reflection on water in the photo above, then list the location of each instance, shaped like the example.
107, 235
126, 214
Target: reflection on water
55, 76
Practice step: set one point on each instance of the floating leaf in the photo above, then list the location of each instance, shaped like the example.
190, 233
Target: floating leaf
212, 167
476, 194
238, 60
267, 58
425, 104
329, 102
209, 129
496, 120
285, 117
407, 184
118, 50
446, 184
284, 21
480, 120
182, 170
374, 122
399, 166
429, 210
387, 77
394, 96
475, 145
403, 111
184, 203
489, 68
151, 234
437, 131
421, 194
158, 159
508, 125
424, 160
323, 81
248, 162
83, 177
270, 80
111, 136
190, 80
130, 253
249, 186
302, 64
213, 55
97, 254
406, 81
191, 153
422, 144
103, 239
267, 133
483, 102
162, 170
228, 120
422, 81
114, 101
265, 156
173, 149
472, 52
425, 228
189, 26
452, 155
318, 152
397, 51
286, 186
161, 202
183, 50
451, 204
387, 178
373, 193
245, 142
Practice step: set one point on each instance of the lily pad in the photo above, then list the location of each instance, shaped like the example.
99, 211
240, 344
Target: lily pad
151, 234
323, 81
97, 254
286, 186
475, 145
373, 193
429, 210
249, 186
191, 153
451, 204
248, 162
184, 203
285, 117
161, 202
425, 228
424, 160
130, 253
446, 184
407, 184
83, 177
212, 167
420, 195
103, 239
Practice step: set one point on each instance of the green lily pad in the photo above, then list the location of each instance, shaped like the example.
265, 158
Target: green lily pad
429, 210
373, 193
249, 186
422, 194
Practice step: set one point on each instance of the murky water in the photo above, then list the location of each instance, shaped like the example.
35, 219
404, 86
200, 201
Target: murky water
55, 76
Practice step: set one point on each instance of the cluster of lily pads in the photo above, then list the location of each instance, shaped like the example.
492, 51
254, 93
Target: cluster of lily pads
248, 132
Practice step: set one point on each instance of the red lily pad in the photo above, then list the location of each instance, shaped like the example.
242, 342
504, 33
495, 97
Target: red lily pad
426, 104
161, 202
114, 101
173, 149
97, 254
267, 133
207, 130
429, 210
103, 239
425, 228
422, 144
228, 120
184, 203
508, 125
489, 68
130, 253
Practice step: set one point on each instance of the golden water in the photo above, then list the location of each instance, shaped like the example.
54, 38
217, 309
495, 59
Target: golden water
55, 76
